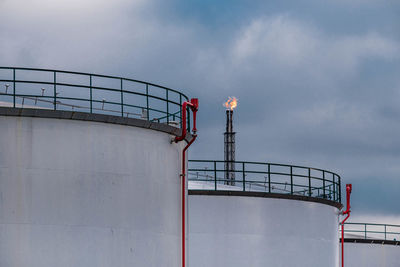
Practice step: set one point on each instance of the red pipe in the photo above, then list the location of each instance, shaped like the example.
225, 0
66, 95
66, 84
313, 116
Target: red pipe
346, 212
193, 104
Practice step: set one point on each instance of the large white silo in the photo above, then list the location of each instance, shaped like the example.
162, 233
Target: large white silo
270, 217
87, 189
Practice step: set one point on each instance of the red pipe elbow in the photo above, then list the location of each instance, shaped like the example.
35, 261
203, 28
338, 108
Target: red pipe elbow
194, 105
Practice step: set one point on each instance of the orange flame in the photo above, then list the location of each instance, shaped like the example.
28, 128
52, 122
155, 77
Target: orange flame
231, 103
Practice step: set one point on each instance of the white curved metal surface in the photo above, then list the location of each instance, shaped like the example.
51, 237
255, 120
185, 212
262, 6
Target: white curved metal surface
80, 193
230, 231
371, 255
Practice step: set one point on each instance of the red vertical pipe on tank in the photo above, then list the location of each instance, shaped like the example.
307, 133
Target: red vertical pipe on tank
194, 105
346, 212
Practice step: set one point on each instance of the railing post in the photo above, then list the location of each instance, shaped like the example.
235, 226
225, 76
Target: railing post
91, 94
167, 105
309, 182
55, 90
385, 231
269, 178
147, 102
244, 179
180, 108
334, 187
14, 87
323, 184
122, 98
291, 180
340, 189
365, 231
215, 175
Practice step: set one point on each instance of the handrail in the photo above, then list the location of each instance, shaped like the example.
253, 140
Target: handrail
91, 74
90, 93
267, 163
265, 177
375, 231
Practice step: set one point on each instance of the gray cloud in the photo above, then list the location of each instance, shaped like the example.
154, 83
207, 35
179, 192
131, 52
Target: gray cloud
308, 94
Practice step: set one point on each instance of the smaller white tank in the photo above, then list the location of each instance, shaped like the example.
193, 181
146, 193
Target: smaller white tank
371, 245
272, 215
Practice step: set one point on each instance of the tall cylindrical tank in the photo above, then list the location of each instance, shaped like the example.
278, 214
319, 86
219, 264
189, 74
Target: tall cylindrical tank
88, 173
275, 215
87, 193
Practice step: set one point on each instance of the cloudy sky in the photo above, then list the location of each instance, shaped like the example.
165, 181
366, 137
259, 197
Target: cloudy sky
318, 82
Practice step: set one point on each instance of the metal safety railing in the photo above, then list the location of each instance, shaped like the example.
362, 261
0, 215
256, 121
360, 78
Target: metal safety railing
265, 177
375, 231
92, 93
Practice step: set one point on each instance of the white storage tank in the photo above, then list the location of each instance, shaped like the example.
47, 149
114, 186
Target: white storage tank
371, 245
273, 215
86, 189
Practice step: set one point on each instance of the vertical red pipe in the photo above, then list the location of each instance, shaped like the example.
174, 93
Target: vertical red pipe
193, 104
184, 200
346, 212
